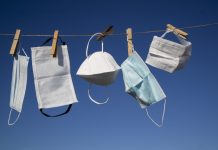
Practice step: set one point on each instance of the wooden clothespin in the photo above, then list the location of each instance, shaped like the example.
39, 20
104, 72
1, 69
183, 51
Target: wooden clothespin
129, 41
54, 44
179, 32
106, 32
15, 42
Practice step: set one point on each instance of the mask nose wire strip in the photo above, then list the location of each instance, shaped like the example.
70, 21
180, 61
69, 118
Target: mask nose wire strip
93, 100
9, 118
162, 118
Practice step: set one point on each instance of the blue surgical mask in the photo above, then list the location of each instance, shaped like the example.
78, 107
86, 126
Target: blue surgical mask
141, 83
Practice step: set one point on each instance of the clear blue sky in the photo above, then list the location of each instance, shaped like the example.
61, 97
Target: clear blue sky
191, 121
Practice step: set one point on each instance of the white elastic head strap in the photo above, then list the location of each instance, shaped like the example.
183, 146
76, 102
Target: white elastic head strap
9, 118
93, 100
102, 44
162, 118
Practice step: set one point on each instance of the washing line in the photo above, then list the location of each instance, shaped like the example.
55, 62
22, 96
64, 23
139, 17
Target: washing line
114, 34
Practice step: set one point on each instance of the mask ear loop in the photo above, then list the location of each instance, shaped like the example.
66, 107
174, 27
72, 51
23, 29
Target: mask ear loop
165, 33
93, 100
24, 52
162, 118
181, 40
21, 48
9, 118
102, 44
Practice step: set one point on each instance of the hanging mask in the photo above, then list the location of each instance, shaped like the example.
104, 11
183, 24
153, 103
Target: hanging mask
52, 78
168, 55
18, 84
99, 68
141, 84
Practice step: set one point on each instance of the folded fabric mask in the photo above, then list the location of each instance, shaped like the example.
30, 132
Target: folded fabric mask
52, 78
18, 84
141, 84
168, 55
99, 68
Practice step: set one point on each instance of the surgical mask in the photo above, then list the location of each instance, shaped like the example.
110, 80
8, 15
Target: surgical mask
168, 55
99, 68
52, 78
141, 84
18, 84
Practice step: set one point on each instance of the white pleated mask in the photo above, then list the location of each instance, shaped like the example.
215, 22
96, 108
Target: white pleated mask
168, 55
18, 84
98, 68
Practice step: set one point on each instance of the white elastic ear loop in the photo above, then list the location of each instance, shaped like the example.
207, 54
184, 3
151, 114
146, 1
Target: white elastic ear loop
162, 118
9, 118
87, 47
96, 102
24, 52
182, 41
133, 49
165, 33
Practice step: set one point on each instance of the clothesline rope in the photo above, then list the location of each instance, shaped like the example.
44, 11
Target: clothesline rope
114, 34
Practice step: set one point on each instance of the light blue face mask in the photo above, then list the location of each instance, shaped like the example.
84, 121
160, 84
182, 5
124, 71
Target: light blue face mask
18, 84
141, 84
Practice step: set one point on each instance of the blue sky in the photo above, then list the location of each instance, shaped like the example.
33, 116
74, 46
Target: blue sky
191, 121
